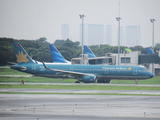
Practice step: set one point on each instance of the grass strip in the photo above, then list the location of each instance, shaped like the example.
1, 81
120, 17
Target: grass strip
78, 93
155, 80
81, 87
35, 80
9, 71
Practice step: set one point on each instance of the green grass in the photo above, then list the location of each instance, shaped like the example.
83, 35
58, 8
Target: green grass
77, 93
80, 87
35, 80
9, 71
155, 80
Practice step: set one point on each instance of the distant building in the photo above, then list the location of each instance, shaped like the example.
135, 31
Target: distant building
122, 36
65, 32
108, 35
130, 36
133, 58
93, 34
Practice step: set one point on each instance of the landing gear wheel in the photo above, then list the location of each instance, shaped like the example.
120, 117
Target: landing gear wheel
77, 82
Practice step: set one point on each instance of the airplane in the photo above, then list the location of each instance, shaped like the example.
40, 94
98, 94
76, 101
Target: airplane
89, 52
149, 50
56, 55
83, 73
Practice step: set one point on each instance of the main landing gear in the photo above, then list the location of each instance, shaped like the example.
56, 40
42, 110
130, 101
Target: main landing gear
77, 82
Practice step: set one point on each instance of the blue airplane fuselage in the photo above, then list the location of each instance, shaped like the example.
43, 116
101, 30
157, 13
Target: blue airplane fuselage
101, 71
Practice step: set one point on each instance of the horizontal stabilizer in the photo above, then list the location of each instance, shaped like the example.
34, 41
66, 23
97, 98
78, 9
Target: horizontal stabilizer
18, 67
12, 63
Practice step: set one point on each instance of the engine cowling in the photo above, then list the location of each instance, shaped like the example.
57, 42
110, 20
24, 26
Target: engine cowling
104, 80
88, 79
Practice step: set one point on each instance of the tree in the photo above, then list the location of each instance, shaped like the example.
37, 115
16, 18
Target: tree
139, 48
43, 39
157, 47
40, 51
59, 42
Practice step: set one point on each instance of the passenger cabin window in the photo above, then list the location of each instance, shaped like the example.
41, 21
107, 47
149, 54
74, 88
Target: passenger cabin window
100, 61
110, 60
75, 61
125, 60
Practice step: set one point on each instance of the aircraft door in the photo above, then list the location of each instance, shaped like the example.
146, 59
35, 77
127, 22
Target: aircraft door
34, 68
135, 69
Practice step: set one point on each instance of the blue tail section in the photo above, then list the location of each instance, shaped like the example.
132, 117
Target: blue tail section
21, 54
56, 55
149, 50
89, 52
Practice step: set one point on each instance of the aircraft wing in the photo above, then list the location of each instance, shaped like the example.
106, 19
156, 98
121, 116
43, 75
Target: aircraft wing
69, 72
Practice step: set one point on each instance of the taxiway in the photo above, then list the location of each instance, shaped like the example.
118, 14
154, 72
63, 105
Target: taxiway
87, 107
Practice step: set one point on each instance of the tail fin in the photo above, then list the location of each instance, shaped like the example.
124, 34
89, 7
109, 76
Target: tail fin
149, 50
21, 54
89, 52
56, 55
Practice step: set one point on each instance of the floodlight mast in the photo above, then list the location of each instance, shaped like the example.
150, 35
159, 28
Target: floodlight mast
152, 21
82, 16
118, 19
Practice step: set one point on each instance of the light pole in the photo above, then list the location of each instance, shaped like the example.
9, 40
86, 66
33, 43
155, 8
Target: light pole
82, 16
118, 19
152, 21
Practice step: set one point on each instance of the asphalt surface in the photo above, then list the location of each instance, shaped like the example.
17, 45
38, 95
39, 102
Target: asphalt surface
16, 75
89, 107
80, 91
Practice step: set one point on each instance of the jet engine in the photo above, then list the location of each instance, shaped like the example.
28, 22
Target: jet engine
88, 79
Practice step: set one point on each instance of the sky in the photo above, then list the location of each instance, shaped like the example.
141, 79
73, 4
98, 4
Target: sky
33, 19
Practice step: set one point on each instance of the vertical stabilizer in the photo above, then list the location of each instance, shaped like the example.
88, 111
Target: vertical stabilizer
56, 55
21, 54
89, 52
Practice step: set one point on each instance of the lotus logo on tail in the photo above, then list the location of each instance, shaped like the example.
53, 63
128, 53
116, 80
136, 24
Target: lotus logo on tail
21, 57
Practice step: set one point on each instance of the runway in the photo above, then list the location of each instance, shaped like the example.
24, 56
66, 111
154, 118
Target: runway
16, 75
86, 107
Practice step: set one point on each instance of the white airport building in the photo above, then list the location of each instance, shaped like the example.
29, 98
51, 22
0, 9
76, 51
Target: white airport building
131, 58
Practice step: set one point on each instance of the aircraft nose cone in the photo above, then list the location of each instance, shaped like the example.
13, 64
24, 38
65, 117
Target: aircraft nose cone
151, 75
